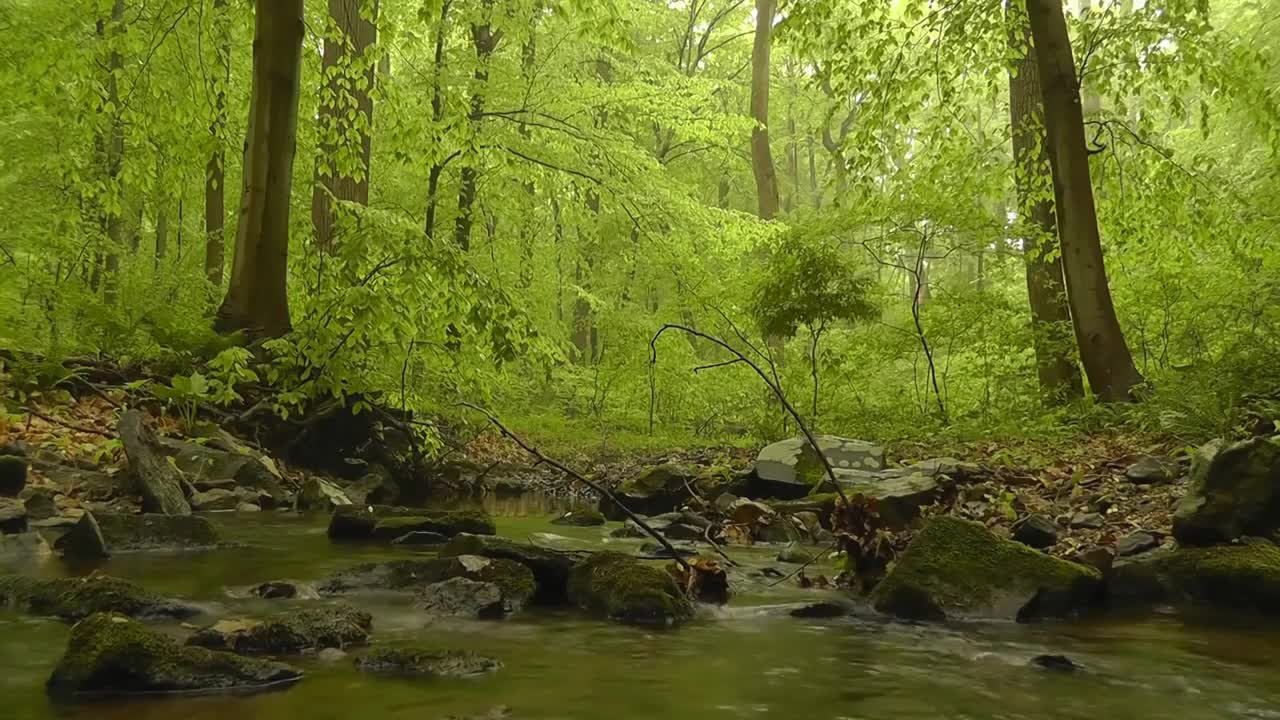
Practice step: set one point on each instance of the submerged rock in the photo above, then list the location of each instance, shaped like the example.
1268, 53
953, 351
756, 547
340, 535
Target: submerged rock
821, 610
1036, 531
300, 631
111, 655
657, 551
515, 580
275, 590
426, 663
956, 567
550, 568
76, 598
620, 588
102, 534
421, 537
1056, 663
789, 469
388, 523
580, 518
1235, 491
1244, 576
460, 597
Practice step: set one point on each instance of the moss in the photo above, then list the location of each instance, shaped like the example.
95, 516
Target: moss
426, 663
109, 654
618, 587
1244, 576
956, 566
514, 579
123, 532
296, 632
550, 568
1234, 491
388, 523
75, 598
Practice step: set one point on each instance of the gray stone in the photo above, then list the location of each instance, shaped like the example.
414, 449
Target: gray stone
24, 546
245, 507
659, 489
1234, 491
460, 597
421, 537
1150, 470
680, 531
776, 529
225, 460
158, 480
96, 535
789, 469
795, 554
377, 487
215, 500
1036, 531
321, 495
40, 505
1088, 521
13, 517
1136, 543
295, 632
426, 663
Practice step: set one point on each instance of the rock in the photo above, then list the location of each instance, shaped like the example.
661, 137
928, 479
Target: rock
13, 517
98, 535
724, 502
680, 531
821, 610
621, 588
515, 581
245, 507
426, 663
377, 487
580, 518
789, 469
298, 631
550, 568
40, 505
388, 523
955, 568
1244, 576
510, 486
1097, 557
795, 554
629, 529
76, 598
275, 590
656, 551
1036, 531
1088, 521
321, 495
331, 655
810, 521
160, 481
110, 654
215, 500
421, 537
226, 464
1234, 491
777, 529
1150, 470
13, 474
657, 490
1056, 663
460, 597
1137, 543
959, 471
24, 546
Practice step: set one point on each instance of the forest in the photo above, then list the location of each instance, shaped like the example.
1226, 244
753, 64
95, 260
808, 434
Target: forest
812, 318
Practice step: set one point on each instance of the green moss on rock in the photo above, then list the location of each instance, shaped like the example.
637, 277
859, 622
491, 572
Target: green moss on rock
514, 579
550, 568
1234, 491
76, 598
380, 522
99, 534
1244, 576
301, 631
956, 567
620, 588
426, 663
109, 654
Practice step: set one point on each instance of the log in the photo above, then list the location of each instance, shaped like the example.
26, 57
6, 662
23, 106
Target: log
159, 481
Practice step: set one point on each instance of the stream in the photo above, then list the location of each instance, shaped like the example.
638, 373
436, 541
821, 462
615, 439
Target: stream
749, 660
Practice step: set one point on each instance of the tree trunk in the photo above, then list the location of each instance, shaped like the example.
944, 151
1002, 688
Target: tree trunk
1107, 361
347, 76
486, 41
215, 173
1056, 366
113, 160
437, 116
257, 298
761, 155
528, 62
162, 231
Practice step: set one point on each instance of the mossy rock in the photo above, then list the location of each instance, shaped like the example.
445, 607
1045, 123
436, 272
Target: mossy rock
100, 534
381, 522
296, 632
426, 663
958, 568
1235, 491
76, 598
110, 655
620, 588
657, 490
1244, 576
514, 579
580, 518
550, 568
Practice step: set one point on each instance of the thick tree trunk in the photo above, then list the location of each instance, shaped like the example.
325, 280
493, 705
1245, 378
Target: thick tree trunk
215, 172
162, 232
437, 116
346, 108
1056, 365
257, 299
1107, 361
486, 41
761, 155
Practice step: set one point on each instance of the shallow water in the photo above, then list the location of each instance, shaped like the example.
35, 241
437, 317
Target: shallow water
747, 661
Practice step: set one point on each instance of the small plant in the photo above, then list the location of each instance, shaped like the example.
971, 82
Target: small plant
186, 393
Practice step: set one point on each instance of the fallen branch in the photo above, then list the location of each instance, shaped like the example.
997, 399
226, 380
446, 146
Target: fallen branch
580, 478
65, 424
800, 569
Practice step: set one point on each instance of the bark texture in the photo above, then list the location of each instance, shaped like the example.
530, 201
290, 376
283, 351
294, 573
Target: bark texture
215, 173
761, 155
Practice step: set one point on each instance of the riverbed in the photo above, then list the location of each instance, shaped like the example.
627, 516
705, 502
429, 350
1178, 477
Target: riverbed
748, 660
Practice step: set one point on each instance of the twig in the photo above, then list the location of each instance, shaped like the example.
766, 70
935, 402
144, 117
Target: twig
800, 569
65, 424
580, 478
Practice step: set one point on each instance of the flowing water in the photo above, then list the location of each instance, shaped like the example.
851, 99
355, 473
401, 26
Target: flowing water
750, 660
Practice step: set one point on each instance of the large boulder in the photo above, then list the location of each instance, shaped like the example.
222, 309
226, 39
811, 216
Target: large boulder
208, 466
296, 632
426, 663
76, 598
110, 654
790, 468
384, 523
102, 534
955, 567
1243, 576
1235, 491
621, 588
550, 568
515, 580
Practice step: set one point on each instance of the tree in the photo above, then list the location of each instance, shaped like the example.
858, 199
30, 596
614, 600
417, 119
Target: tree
1056, 367
486, 40
1107, 361
347, 72
111, 150
761, 156
257, 299
215, 205
437, 117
